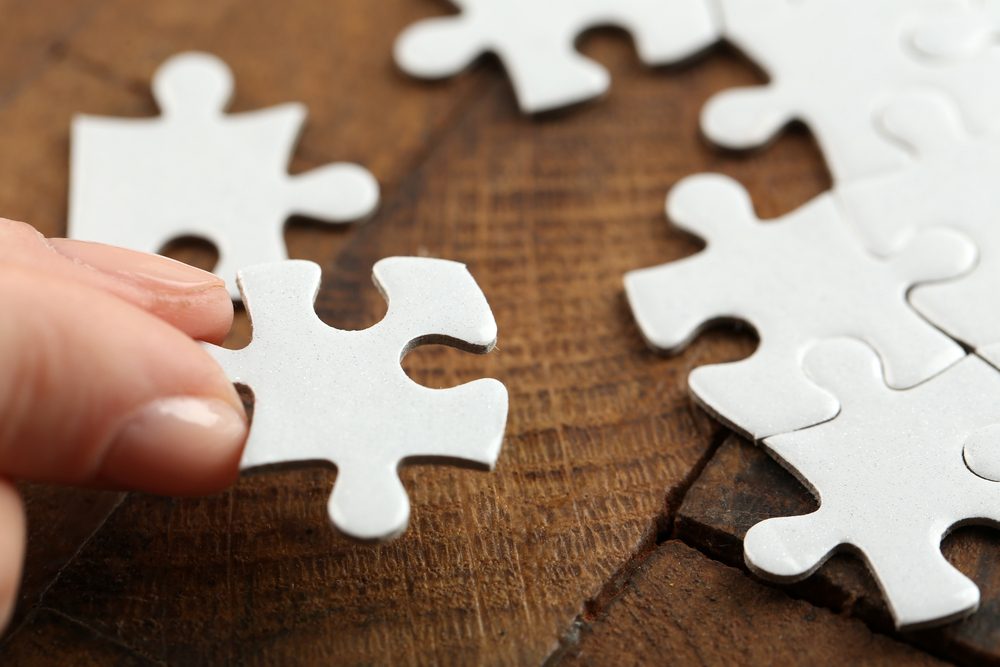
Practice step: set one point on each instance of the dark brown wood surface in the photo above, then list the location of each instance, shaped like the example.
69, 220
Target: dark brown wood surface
610, 531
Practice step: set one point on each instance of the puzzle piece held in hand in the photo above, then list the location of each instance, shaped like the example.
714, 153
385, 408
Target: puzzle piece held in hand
196, 171
796, 280
535, 42
832, 65
891, 480
954, 181
324, 394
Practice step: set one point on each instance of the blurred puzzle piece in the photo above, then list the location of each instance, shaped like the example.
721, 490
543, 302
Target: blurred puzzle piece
197, 171
535, 41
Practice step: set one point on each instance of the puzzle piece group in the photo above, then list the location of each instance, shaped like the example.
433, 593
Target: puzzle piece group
321, 395
863, 298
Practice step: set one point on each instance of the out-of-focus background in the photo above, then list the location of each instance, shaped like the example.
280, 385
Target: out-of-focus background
610, 532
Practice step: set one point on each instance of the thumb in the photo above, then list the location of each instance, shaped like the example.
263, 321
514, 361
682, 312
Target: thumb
99, 391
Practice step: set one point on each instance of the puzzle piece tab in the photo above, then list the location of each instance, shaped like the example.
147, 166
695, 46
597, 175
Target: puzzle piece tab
197, 171
954, 181
796, 280
324, 394
832, 64
891, 480
535, 42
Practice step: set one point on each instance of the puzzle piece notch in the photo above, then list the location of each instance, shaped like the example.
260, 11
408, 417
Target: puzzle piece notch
951, 181
324, 394
204, 173
796, 280
891, 480
536, 42
792, 41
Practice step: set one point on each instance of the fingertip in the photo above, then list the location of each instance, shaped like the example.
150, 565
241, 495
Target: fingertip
178, 445
12, 543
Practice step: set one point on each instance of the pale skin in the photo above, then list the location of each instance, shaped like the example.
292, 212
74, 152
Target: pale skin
104, 383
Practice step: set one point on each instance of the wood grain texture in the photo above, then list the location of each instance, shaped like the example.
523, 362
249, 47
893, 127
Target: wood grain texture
603, 442
710, 614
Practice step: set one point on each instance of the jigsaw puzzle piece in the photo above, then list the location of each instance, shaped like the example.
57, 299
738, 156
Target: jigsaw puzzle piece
837, 97
198, 171
796, 280
891, 480
341, 397
951, 182
535, 41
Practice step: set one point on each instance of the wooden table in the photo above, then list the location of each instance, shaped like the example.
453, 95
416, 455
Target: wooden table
610, 532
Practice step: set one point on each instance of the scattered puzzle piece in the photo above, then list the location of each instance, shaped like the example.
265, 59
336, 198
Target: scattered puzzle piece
832, 66
323, 394
799, 279
891, 480
196, 171
954, 181
535, 42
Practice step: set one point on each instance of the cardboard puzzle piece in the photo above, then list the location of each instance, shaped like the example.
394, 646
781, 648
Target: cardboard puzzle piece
954, 182
796, 280
832, 65
197, 171
535, 42
326, 395
891, 480
964, 35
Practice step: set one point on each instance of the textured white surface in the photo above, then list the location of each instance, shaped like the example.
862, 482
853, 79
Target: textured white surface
796, 280
833, 64
196, 171
954, 181
535, 41
891, 480
323, 394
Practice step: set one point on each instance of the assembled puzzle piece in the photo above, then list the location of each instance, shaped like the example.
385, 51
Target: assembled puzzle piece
196, 171
324, 394
964, 35
832, 64
796, 280
535, 42
954, 181
891, 480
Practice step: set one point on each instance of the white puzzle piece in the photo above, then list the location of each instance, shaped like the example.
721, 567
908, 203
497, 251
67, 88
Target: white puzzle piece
197, 171
796, 280
832, 64
327, 395
891, 481
535, 42
954, 181
965, 35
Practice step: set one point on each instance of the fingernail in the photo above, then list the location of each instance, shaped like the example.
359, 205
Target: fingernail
137, 266
179, 428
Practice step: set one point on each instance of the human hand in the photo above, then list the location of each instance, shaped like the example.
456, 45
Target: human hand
102, 383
